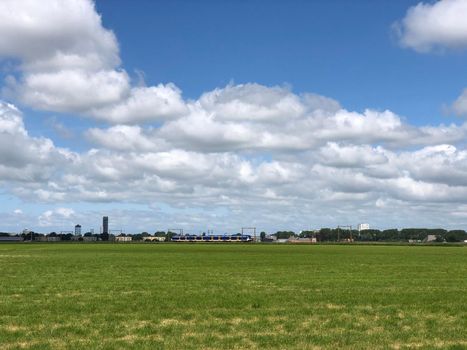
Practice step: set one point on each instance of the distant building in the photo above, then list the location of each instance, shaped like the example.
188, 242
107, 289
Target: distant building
430, 238
11, 239
123, 238
78, 230
302, 240
105, 224
362, 227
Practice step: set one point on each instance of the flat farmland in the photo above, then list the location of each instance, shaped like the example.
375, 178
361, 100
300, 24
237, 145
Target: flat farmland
232, 296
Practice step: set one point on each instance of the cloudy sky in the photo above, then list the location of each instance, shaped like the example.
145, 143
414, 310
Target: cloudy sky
218, 115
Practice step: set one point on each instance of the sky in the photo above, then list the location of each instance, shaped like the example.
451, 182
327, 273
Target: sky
208, 115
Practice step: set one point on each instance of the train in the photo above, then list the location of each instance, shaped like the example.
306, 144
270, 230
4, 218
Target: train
212, 238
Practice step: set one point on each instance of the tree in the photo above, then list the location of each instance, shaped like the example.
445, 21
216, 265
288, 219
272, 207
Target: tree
413, 234
456, 236
104, 236
284, 234
65, 237
390, 235
306, 234
324, 234
368, 235
169, 236
262, 236
137, 237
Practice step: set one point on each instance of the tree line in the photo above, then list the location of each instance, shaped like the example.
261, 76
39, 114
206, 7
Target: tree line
321, 235
372, 235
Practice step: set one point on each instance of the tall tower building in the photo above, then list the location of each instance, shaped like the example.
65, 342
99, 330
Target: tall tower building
105, 224
78, 230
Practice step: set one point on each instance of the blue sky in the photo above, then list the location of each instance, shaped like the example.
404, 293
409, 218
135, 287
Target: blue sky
223, 114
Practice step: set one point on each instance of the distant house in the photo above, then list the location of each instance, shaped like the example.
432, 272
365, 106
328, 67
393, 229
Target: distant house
53, 238
89, 238
430, 238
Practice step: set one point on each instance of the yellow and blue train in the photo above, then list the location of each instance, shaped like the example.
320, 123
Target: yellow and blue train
211, 238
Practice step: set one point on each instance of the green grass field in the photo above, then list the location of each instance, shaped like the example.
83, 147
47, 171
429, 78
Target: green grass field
245, 296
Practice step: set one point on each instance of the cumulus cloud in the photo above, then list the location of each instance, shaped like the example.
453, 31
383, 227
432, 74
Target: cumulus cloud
69, 90
126, 138
321, 158
205, 128
68, 62
429, 26
25, 158
252, 102
350, 156
57, 217
144, 104
61, 35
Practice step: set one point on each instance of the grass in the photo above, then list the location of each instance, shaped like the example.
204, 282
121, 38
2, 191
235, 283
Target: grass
245, 296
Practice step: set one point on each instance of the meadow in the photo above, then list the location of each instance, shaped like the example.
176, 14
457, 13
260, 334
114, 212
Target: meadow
232, 296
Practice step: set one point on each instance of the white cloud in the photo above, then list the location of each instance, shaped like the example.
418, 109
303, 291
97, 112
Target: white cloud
341, 159
126, 138
252, 102
11, 121
144, 104
57, 217
70, 63
25, 158
351, 156
55, 36
70, 90
429, 26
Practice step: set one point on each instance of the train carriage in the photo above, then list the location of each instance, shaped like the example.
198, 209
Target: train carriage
211, 238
